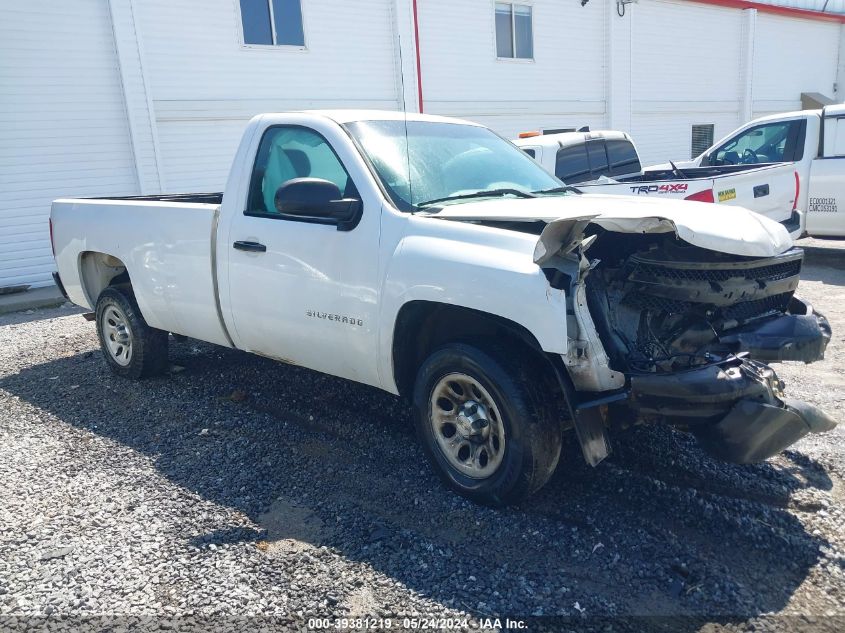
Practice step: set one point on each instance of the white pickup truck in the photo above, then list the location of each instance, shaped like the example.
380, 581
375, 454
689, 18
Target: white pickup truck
608, 162
810, 142
429, 257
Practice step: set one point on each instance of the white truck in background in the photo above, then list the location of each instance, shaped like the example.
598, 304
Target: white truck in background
607, 162
430, 258
811, 142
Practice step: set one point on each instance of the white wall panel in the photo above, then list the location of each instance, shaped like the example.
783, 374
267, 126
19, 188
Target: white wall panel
564, 86
664, 136
792, 56
206, 84
76, 118
686, 69
685, 52
137, 97
198, 153
63, 128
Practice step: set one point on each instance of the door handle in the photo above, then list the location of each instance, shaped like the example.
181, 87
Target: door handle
251, 247
761, 190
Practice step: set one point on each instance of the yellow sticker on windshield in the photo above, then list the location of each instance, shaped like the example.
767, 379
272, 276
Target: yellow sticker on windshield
727, 194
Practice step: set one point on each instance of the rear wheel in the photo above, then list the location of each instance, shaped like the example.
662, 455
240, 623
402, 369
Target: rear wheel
131, 347
486, 423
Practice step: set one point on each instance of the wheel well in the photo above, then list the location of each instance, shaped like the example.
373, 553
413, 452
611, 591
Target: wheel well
98, 271
423, 326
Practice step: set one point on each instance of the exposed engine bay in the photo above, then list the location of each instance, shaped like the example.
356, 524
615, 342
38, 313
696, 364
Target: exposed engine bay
690, 329
661, 305
671, 318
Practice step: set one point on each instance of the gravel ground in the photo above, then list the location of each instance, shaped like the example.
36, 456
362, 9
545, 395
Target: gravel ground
237, 487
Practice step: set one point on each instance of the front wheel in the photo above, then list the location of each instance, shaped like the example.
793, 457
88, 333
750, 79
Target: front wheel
486, 423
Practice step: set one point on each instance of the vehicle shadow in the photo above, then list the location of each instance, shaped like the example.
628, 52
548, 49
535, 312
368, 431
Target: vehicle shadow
39, 314
659, 529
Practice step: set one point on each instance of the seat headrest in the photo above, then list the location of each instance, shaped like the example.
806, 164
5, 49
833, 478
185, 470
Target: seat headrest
300, 162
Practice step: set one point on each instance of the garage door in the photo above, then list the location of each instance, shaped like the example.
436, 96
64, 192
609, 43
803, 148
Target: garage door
63, 128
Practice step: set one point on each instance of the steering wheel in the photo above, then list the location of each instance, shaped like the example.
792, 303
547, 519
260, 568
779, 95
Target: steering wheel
750, 152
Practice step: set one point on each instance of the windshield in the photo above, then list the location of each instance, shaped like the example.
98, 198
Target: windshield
447, 160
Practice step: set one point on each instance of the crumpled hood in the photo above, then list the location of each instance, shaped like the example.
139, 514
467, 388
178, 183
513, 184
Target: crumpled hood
726, 229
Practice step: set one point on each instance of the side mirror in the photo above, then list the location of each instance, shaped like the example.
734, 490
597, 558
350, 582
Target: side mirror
318, 201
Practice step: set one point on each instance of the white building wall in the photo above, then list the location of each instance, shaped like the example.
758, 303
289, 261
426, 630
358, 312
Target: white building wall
564, 86
116, 97
206, 84
137, 96
686, 69
712, 72
63, 127
790, 57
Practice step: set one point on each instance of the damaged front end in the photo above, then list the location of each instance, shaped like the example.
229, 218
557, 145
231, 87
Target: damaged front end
736, 408
670, 306
683, 331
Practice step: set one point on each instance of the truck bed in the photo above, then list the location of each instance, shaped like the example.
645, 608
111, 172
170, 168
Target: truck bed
188, 198
164, 241
767, 189
692, 173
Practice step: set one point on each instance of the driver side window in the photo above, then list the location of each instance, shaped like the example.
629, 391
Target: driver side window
768, 143
288, 152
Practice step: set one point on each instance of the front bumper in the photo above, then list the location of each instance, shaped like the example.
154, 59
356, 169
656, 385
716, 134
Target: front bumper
754, 431
736, 409
801, 334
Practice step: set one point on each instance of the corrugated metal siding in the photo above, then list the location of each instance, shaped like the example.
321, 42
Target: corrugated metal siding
63, 125
790, 57
77, 119
206, 84
137, 97
685, 70
564, 86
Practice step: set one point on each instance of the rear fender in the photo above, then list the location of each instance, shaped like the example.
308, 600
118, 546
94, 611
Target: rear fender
96, 272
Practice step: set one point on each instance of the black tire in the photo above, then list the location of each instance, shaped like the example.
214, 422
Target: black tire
529, 418
147, 348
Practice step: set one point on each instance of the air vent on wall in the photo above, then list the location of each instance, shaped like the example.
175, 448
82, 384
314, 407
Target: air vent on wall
702, 138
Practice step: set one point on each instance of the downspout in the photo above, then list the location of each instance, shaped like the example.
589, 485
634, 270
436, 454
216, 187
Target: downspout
747, 77
417, 48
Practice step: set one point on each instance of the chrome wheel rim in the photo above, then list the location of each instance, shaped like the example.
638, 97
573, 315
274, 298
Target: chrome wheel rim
117, 335
467, 425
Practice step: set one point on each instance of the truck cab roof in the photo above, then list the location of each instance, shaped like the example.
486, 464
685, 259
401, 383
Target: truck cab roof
351, 116
567, 139
835, 110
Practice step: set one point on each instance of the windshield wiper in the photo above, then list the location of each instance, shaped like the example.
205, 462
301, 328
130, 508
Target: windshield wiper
491, 193
564, 189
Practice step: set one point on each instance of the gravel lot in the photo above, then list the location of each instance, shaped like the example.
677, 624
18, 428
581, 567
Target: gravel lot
242, 487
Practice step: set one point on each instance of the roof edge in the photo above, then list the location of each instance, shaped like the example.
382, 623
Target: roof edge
792, 12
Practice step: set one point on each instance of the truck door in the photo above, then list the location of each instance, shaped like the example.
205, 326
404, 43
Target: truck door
826, 195
769, 191
299, 290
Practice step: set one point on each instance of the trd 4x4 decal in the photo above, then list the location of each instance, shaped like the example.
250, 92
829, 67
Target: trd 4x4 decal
680, 187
